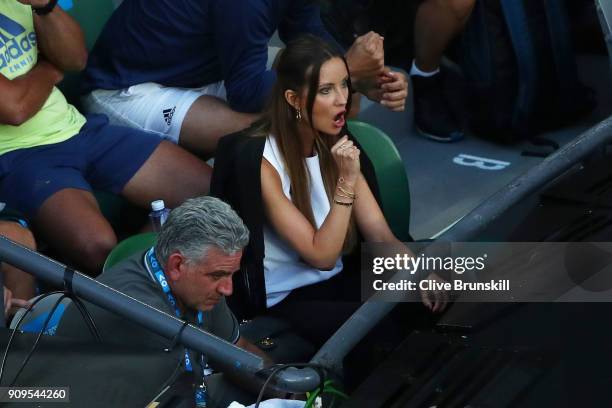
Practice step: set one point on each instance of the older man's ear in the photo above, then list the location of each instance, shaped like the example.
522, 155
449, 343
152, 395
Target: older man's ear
173, 268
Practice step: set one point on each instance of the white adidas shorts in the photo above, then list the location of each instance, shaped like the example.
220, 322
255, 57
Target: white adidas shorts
153, 107
149, 106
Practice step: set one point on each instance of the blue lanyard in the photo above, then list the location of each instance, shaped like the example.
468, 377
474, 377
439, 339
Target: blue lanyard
159, 275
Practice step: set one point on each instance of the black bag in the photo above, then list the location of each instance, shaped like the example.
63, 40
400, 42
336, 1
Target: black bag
521, 69
278, 339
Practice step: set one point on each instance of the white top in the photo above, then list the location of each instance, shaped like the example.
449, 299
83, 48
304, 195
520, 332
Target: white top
283, 268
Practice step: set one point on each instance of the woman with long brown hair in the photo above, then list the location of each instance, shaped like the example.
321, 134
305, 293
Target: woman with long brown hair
314, 196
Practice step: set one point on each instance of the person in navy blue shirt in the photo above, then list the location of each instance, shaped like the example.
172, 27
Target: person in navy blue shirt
194, 70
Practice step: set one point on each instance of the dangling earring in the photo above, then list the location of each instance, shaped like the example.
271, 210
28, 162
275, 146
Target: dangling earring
298, 114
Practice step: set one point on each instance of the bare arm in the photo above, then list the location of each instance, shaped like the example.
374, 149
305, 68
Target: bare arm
24, 96
374, 228
319, 248
59, 37
369, 216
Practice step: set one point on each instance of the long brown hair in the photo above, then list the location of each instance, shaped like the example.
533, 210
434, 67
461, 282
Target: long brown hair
298, 68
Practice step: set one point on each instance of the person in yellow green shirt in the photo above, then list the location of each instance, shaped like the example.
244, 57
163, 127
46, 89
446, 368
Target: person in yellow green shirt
51, 157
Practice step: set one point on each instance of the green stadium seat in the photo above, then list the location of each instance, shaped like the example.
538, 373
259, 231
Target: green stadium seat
129, 246
111, 206
390, 175
92, 16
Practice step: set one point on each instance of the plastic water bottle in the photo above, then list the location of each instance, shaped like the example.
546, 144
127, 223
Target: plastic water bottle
158, 215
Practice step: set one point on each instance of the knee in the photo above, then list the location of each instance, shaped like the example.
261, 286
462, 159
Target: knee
94, 248
17, 233
98, 245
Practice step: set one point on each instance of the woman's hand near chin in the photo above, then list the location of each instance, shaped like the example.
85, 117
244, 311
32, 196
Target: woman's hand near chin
346, 155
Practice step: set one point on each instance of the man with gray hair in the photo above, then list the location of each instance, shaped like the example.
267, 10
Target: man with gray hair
187, 274
199, 248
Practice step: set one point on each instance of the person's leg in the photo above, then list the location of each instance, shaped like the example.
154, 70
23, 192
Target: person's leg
46, 183
207, 120
140, 166
192, 118
71, 222
52, 185
22, 284
170, 173
437, 23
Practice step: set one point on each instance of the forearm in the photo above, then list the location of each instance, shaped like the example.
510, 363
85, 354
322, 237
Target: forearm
26, 95
362, 85
365, 59
60, 40
320, 248
328, 240
370, 218
359, 80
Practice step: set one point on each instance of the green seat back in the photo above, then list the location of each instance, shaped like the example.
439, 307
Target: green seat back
111, 206
128, 247
91, 16
390, 175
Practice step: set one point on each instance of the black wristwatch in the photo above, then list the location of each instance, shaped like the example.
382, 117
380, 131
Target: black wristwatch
41, 11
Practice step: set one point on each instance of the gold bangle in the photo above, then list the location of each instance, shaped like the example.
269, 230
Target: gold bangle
342, 203
349, 193
344, 196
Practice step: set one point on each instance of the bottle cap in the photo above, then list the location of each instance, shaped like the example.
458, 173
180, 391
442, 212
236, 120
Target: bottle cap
157, 205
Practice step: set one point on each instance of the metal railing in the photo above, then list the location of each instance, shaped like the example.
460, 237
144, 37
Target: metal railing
371, 312
604, 10
231, 357
356, 327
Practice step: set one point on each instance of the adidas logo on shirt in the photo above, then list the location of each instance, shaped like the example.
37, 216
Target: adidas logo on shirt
168, 113
17, 49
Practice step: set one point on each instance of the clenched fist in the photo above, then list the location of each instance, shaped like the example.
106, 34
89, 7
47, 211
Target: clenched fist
366, 57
